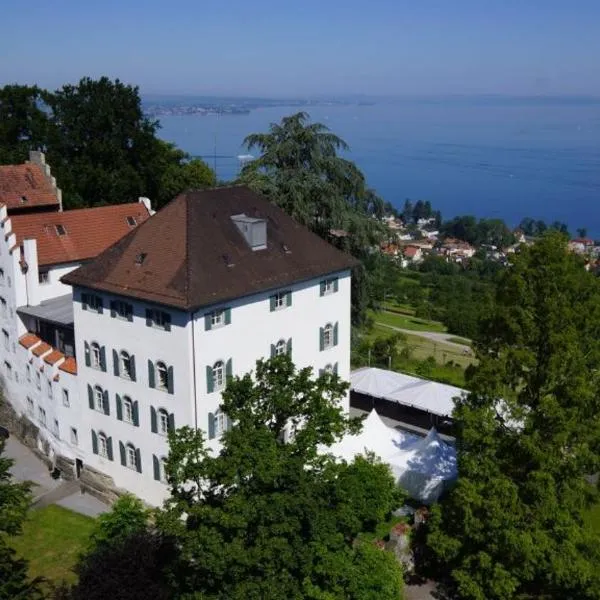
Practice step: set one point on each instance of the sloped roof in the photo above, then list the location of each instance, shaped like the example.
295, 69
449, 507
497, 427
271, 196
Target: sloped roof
87, 231
53, 357
28, 340
69, 366
42, 349
191, 253
24, 186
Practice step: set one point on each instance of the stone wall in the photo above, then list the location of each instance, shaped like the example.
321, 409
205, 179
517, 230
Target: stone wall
99, 485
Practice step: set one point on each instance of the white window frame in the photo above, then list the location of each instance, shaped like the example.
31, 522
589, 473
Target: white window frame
102, 445
328, 336
44, 277
125, 364
98, 399
280, 348
162, 469
94, 302
127, 409
220, 423
162, 382
329, 287
122, 309
163, 421
95, 356
280, 300
217, 318
65, 398
218, 375
74, 437
158, 318
130, 457
328, 368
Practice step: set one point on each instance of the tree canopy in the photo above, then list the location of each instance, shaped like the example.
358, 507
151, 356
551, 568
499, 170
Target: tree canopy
528, 436
270, 517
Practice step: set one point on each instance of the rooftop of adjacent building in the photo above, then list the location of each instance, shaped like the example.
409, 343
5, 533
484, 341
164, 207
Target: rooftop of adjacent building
50, 355
211, 246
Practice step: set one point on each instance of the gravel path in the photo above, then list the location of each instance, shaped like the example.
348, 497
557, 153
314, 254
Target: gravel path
431, 335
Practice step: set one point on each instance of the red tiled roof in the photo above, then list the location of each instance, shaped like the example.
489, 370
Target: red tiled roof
87, 231
41, 349
53, 357
69, 366
24, 186
411, 251
28, 340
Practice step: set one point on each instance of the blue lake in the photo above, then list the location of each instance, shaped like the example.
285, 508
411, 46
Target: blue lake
504, 158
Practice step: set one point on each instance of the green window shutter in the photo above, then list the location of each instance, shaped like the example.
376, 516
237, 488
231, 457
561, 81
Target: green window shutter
211, 426
335, 369
151, 382
321, 339
321, 372
322, 288
94, 442
130, 313
115, 363
207, 322
113, 308
138, 460
85, 300
171, 422
100, 305
91, 396
167, 321
170, 381
228, 370
273, 350
103, 358
136, 414
148, 317
122, 453
88, 360
119, 408
109, 449
106, 402
289, 347
288, 298
272, 302
132, 367
335, 334
156, 467
210, 384
153, 420
335, 284
227, 316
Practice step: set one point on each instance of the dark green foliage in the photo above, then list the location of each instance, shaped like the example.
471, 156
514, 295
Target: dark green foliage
493, 232
269, 518
512, 527
533, 228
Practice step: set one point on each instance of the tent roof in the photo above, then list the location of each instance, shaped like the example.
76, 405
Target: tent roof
430, 396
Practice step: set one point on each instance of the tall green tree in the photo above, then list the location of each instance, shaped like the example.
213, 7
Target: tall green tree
528, 435
270, 517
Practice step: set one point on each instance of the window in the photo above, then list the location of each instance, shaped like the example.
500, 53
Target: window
98, 399
281, 300
217, 318
280, 348
158, 318
329, 286
125, 361
221, 422
6, 339
65, 398
55, 429
1, 276
92, 302
218, 375
163, 422
74, 439
162, 469
130, 457
162, 376
95, 356
328, 368
42, 416
102, 445
29, 405
28, 372
3, 304
49, 387
60, 230
43, 277
121, 310
131, 221
127, 409
328, 336
8, 370
38, 380
218, 423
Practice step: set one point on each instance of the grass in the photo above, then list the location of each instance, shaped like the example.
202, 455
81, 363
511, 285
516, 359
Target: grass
51, 541
404, 321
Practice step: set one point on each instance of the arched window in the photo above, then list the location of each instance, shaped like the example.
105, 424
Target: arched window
328, 335
127, 409
102, 445
162, 376
328, 368
280, 348
125, 360
163, 422
98, 398
95, 356
218, 373
130, 456
162, 469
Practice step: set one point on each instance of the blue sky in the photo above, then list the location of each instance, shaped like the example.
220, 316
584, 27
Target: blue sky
326, 47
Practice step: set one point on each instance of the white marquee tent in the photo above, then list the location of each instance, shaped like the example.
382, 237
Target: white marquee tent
422, 466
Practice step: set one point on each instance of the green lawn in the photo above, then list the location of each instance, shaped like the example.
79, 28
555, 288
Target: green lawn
52, 539
404, 321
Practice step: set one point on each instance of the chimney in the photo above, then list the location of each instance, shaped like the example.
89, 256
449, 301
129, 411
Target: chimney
253, 229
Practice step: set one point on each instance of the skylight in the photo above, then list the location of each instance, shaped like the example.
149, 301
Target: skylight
60, 230
140, 258
131, 221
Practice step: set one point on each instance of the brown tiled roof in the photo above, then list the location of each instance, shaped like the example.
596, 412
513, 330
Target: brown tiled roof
53, 357
25, 181
69, 366
88, 231
41, 349
193, 255
28, 340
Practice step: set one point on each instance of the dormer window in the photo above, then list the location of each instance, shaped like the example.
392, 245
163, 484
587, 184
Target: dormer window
131, 221
60, 230
140, 258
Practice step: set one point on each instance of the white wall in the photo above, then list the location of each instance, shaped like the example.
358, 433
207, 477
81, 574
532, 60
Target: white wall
54, 288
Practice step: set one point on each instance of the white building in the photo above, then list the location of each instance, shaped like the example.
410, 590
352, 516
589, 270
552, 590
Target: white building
161, 318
